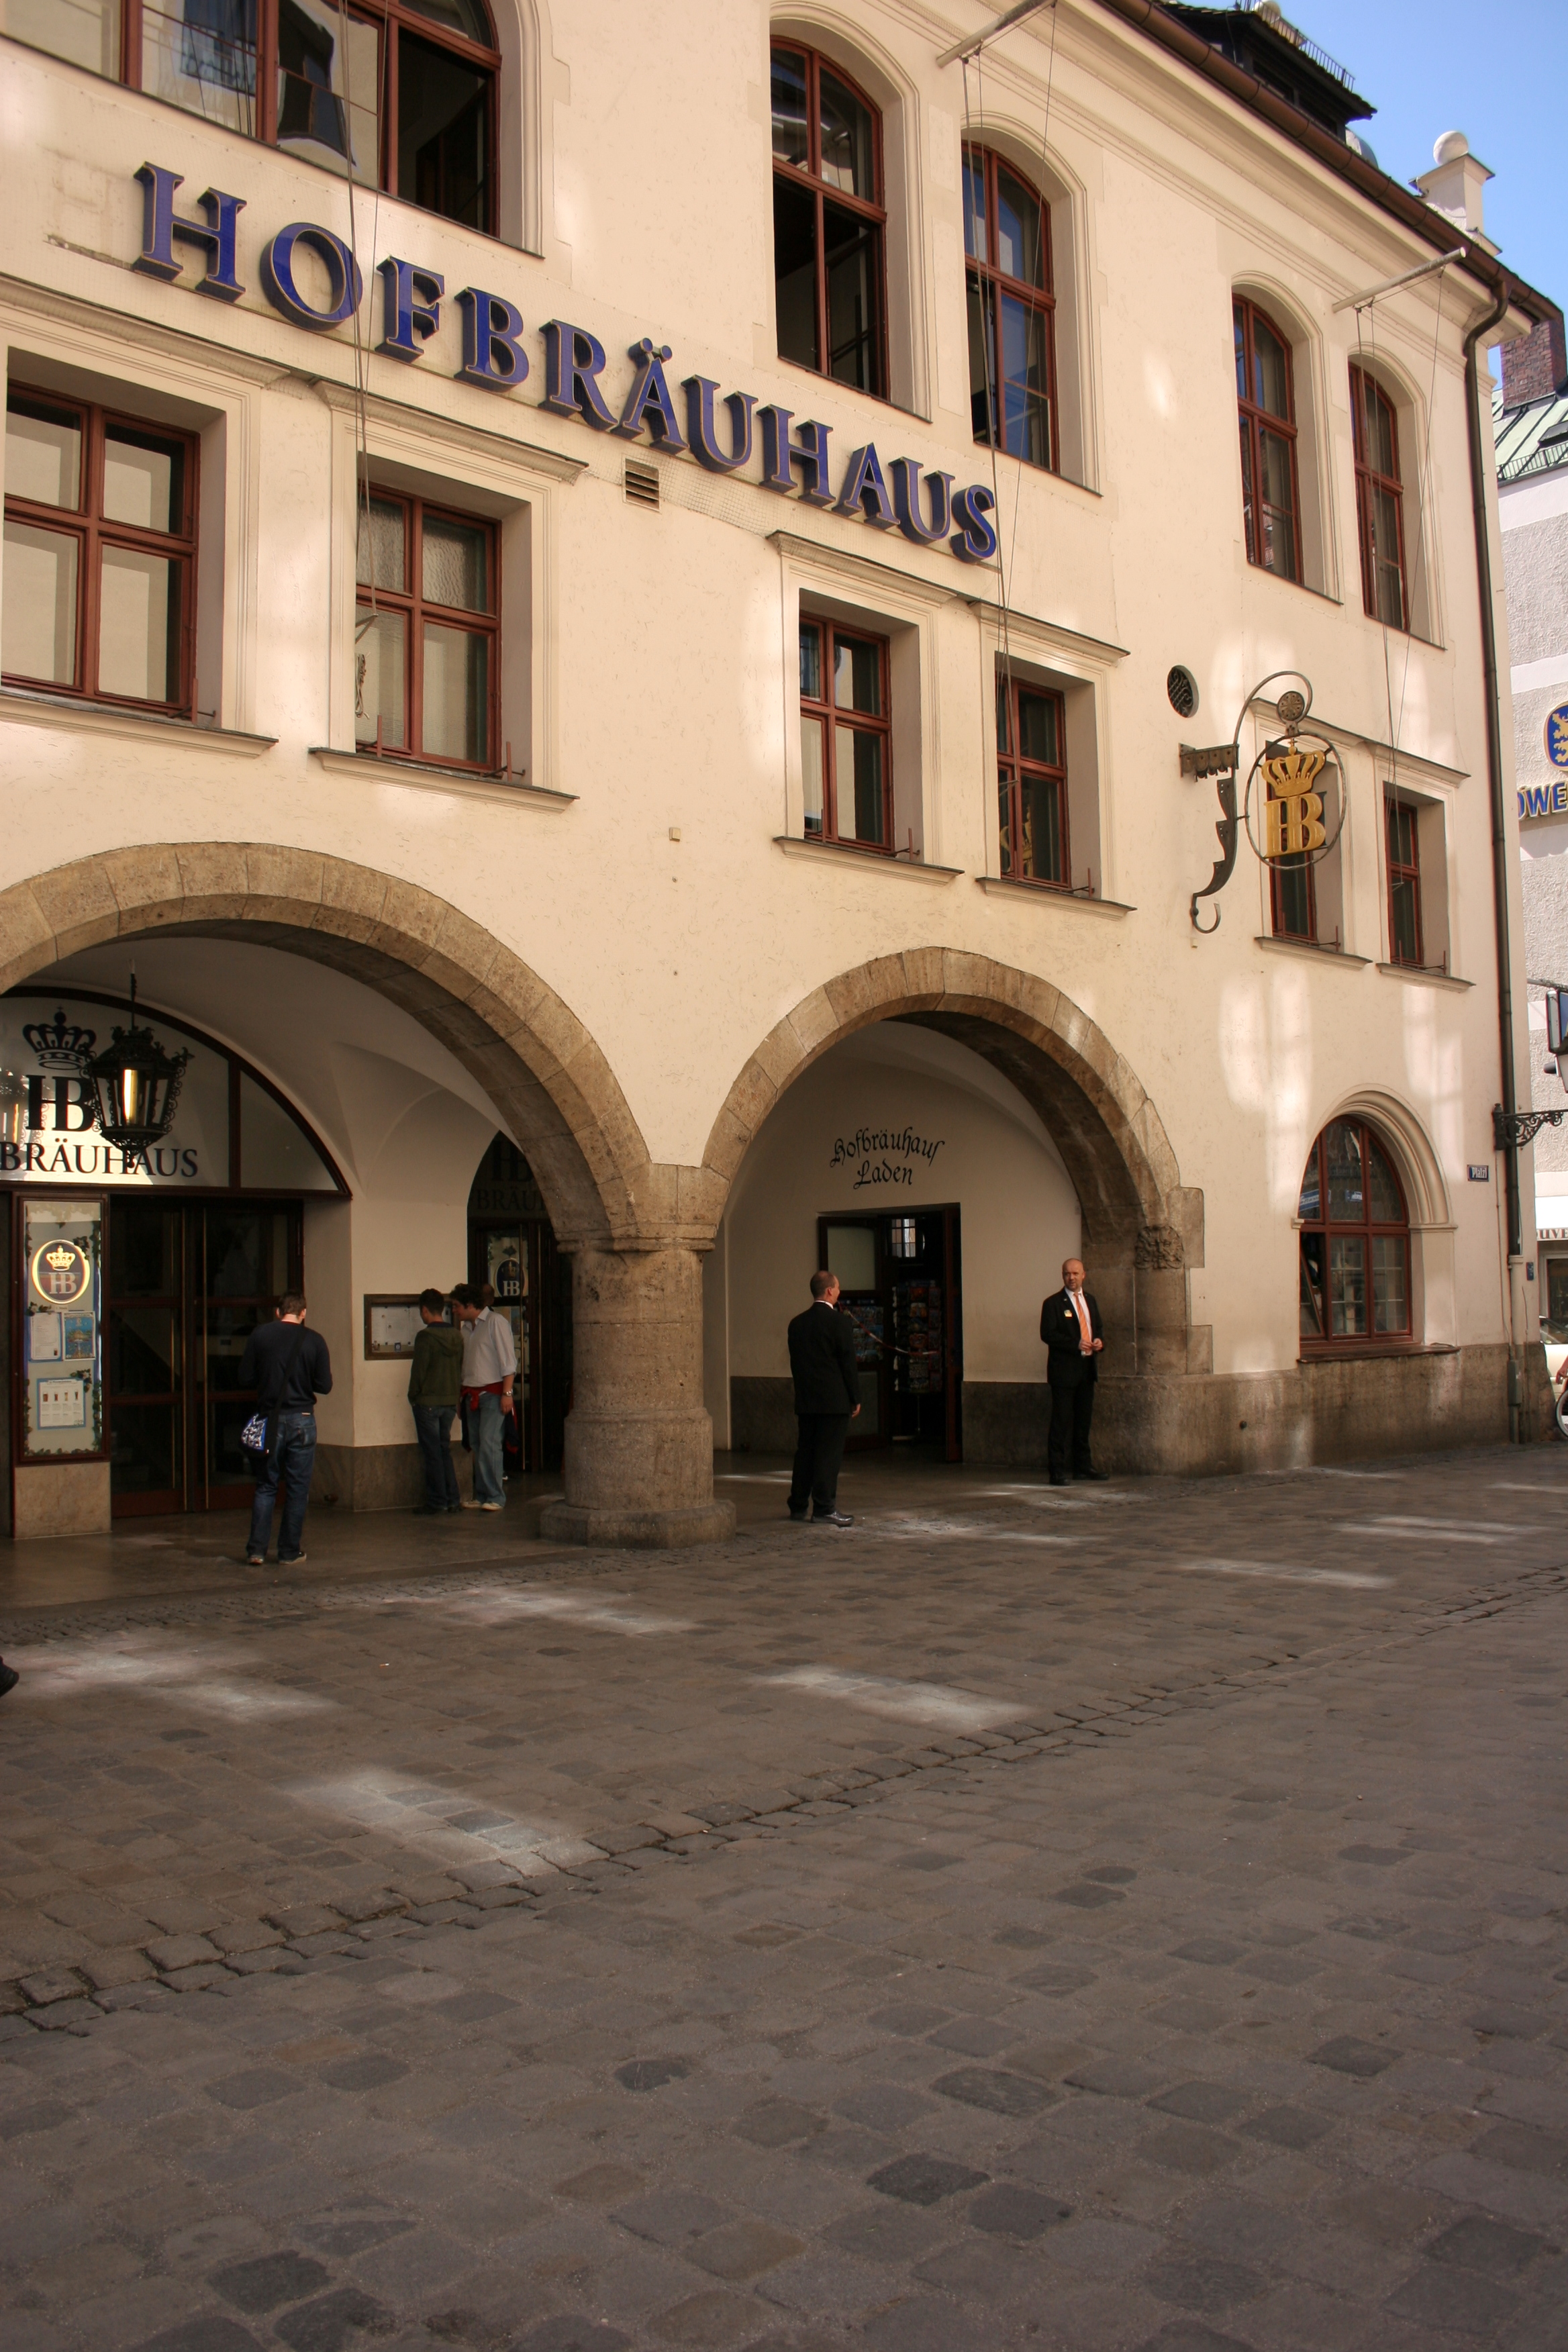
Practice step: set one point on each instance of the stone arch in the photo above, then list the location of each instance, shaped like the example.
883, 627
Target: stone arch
549, 1079
1419, 1169
1142, 1226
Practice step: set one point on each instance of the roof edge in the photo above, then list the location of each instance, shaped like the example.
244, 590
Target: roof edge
1149, 17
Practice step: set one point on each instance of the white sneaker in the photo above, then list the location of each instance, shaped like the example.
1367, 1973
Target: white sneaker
492, 1507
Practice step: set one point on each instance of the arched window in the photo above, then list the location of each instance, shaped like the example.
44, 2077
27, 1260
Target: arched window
401, 93
1379, 502
829, 222
1355, 1241
1011, 343
1270, 495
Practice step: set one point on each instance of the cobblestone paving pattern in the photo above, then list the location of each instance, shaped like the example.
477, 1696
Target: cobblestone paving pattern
1131, 1917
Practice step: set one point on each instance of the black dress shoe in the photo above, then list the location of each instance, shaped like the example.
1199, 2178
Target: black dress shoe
9, 1678
800, 1517
1098, 1478
831, 1519
1059, 1478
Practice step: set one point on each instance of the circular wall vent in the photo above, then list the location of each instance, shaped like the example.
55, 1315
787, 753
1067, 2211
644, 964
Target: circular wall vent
1183, 688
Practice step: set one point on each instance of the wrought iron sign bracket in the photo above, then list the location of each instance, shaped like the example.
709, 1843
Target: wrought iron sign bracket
1223, 762
1521, 1126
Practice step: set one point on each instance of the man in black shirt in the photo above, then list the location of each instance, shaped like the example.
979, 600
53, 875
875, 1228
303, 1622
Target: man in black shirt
826, 1400
289, 1368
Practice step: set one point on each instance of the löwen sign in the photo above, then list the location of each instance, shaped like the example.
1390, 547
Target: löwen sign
897, 495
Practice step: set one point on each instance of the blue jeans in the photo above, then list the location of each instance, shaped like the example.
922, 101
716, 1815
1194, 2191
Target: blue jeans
293, 1459
433, 1428
485, 1436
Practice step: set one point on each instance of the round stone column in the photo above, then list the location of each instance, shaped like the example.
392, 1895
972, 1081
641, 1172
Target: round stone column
639, 1440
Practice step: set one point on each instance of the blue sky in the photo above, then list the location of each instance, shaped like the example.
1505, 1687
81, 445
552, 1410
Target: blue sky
1497, 74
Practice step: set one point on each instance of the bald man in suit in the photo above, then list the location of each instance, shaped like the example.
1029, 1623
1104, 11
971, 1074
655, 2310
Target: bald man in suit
1074, 1338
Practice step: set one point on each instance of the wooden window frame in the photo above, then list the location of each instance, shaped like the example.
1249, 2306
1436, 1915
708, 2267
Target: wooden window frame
1013, 765
1401, 872
875, 213
1255, 422
417, 607
1368, 1228
989, 273
392, 18
85, 522
832, 716
1369, 480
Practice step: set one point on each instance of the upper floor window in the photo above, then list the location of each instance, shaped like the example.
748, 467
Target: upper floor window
1265, 393
1031, 784
846, 750
1403, 882
1292, 900
100, 553
1011, 355
1356, 1240
401, 93
1379, 502
426, 633
829, 223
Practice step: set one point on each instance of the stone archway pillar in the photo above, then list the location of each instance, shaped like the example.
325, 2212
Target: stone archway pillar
639, 1441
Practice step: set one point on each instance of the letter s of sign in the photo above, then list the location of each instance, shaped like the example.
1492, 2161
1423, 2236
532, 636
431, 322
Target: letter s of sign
974, 541
345, 284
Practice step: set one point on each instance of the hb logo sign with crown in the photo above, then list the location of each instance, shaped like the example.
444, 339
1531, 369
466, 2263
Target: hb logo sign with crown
1293, 812
61, 1272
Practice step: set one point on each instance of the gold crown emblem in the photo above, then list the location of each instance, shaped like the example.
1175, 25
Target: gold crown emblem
1294, 771
61, 1256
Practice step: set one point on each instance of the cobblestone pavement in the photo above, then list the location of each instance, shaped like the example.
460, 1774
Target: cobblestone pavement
1130, 1916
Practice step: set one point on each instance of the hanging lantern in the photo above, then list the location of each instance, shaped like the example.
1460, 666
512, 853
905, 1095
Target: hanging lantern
135, 1085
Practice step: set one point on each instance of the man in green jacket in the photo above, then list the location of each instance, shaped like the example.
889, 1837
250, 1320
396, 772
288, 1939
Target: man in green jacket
435, 1378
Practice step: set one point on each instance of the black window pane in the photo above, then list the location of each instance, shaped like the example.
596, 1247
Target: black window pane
1005, 822
1311, 1190
442, 132
1293, 901
1346, 1195
868, 823
848, 140
1238, 324
1311, 1284
982, 362
1387, 1209
792, 142
1406, 941
853, 259
144, 1449
143, 1350
975, 222
1020, 246
857, 676
810, 662
143, 1250
1037, 737
794, 272
1040, 846
465, 16
1271, 370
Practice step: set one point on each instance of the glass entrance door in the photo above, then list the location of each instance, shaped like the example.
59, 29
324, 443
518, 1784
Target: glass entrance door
900, 1284
187, 1283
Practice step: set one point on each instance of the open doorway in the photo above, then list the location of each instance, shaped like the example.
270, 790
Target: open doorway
899, 1282
511, 1245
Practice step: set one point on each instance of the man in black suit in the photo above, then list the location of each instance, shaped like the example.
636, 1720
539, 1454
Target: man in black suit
1071, 1329
826, 1400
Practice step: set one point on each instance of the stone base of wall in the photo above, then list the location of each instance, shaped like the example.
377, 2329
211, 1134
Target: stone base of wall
1198, 1424
376, 1477
64, 1498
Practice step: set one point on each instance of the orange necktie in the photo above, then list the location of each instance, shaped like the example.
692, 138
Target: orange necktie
1083, 1324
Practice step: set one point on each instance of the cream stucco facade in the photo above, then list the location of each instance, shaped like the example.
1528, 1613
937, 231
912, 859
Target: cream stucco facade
624, 955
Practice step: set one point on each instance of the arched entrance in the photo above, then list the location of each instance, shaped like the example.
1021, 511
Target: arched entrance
638, 1445
1121, 1199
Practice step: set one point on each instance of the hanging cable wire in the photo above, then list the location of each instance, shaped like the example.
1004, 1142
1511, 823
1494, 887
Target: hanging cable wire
361, 359
993, 405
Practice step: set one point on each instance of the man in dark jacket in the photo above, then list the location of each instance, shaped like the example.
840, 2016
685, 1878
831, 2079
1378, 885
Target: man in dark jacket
826, 1400
289, 1368
1072, 1332
435, 1379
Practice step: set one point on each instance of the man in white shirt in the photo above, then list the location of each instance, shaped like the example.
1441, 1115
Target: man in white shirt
1073, 1334
490, 1373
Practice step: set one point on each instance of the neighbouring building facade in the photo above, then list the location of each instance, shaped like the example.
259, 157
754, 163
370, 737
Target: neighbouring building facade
1530, 425
677, 650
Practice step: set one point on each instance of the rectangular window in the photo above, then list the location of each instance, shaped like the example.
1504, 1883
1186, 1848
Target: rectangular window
403, 93
845, 753
1031, 785
101, 524
427, 634
1403, 883
1379, 502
